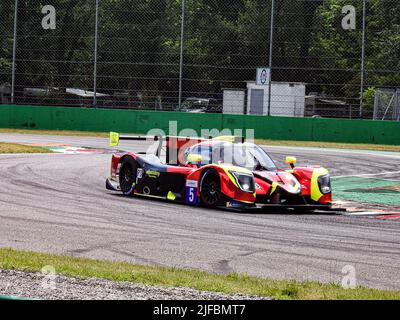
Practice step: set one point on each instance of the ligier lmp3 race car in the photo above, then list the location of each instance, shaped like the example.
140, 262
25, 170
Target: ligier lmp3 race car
222, 172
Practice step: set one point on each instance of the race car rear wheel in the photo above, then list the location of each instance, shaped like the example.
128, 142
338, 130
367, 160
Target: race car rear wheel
127, 176
210, 189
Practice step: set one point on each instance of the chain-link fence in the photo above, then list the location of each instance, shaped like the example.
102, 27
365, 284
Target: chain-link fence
326, 58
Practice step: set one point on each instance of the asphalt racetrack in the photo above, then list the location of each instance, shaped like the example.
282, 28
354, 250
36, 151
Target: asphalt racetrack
57, 203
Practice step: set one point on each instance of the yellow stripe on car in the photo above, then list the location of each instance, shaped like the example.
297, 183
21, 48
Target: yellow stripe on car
273, 187
316, 193
229, 169
237, 169
232, 178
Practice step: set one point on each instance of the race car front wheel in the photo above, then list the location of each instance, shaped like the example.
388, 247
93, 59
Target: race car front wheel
127, 176
210, 189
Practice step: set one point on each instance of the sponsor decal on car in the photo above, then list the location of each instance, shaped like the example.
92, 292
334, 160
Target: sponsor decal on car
234, 204
153, 174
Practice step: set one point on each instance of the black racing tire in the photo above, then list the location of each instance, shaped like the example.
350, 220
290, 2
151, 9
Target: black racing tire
210, 189
127, 176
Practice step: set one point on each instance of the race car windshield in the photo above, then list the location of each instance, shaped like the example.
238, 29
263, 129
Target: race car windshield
245, 155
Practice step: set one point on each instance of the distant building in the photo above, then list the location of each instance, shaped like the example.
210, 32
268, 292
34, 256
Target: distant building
320, 105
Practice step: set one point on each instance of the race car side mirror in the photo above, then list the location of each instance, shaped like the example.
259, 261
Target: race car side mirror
291, 161
194, 158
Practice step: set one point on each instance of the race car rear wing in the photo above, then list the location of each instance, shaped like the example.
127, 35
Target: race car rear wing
115, 138
233, 139
174, 145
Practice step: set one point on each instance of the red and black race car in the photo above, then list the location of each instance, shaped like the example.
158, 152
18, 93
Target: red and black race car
217, 172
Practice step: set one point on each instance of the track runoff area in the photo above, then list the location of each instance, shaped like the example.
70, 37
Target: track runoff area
65, 209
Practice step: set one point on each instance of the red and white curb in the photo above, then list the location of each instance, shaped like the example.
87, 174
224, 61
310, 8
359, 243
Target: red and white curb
354, 211
390, 217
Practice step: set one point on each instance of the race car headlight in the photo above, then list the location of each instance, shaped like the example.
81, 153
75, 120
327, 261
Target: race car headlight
324, 183
244, 181
294, 186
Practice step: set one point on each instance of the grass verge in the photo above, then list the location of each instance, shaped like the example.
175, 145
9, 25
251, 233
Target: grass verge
172, 277
11, 148
57, 132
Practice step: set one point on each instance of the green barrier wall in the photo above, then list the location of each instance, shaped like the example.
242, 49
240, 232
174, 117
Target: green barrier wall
277, 128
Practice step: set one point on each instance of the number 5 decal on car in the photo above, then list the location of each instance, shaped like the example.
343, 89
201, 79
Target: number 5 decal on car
191, 192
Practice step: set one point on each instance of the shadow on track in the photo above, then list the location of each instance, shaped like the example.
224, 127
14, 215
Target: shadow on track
249, 211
